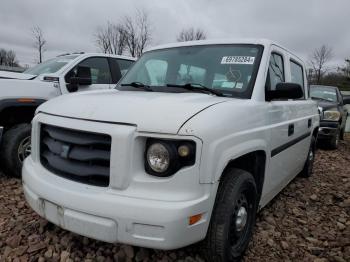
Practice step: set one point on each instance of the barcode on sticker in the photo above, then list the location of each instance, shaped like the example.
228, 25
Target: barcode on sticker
247, 60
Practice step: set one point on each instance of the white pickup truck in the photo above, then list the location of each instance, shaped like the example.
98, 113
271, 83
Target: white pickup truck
22, 93
199, 137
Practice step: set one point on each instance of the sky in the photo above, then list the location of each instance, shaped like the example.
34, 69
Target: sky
70, 25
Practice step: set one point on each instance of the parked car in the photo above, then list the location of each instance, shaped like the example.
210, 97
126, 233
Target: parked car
200, 136
332, 112
22, 93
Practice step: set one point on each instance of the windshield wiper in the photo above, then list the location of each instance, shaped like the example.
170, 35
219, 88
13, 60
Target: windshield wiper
139, 85
197, 87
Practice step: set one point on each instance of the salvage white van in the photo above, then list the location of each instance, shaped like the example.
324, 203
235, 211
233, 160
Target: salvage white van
199, 137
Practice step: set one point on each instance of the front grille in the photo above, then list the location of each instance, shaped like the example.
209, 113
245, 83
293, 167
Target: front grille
76, 155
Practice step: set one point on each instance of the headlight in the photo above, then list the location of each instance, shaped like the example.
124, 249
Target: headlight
165, 157
331, 115
158, 157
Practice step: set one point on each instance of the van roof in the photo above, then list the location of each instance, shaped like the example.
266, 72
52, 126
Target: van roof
264, 42
254, 41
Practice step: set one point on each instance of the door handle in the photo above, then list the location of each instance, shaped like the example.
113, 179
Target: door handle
309, 123
290, 129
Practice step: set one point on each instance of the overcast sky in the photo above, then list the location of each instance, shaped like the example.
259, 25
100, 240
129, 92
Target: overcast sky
69, 25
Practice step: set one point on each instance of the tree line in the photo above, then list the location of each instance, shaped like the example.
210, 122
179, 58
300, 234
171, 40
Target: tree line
132, 33
320, 73
8, 58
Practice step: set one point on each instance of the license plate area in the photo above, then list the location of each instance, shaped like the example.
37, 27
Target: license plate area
92, 226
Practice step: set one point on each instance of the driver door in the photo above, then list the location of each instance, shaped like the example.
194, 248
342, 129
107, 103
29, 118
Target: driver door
95, 68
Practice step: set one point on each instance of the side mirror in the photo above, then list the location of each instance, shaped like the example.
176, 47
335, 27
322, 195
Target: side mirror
75, 82
346, 100
285, 91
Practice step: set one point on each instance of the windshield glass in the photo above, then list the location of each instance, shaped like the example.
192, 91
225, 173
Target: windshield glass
50, 66
324, 93
229, 69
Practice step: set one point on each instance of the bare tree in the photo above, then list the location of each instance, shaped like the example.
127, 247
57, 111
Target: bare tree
111, 39
3, 54
319, 58
8, 58
138, 32
11, 59
191, 34
39, 41
345, 70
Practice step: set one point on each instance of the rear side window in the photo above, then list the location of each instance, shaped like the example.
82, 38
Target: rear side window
276, 72
124, 65
297, 75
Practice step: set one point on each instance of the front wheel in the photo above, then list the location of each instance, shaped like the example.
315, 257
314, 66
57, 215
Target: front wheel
342, 133
15, 147
334, 141
309, 164
233, 217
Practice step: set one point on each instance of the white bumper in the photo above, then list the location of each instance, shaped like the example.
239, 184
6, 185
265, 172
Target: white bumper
148, 212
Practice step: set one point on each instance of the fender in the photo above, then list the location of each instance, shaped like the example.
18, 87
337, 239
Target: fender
19, 102
238, 151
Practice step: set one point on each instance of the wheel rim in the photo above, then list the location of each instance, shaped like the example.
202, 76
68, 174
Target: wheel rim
311, 158
337, 139
241, 219
24, 149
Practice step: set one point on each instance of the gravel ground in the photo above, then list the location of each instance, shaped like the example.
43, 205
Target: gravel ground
308, 221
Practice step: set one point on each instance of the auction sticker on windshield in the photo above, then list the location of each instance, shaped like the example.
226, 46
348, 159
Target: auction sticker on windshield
247, 60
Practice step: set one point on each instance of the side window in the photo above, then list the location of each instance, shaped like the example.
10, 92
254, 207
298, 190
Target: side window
276, 72
190, 74
96, 68
124, 65
297, 75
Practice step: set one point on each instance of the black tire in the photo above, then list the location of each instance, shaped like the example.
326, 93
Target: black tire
334, 141
225, 241
11, 156
341, 135
309, 164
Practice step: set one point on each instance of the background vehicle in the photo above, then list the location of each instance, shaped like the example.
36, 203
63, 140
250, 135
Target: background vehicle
216, 129
22, 93
332, 112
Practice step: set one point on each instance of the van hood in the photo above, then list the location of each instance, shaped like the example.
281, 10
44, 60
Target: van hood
149, 111
14, 75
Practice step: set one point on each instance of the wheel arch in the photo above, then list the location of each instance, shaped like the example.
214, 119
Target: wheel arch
254, 162
18, 110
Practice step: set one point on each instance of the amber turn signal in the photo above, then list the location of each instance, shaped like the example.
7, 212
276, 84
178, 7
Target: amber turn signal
194, 219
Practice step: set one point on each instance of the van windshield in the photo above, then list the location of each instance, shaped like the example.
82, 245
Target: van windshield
50, 66
228, 69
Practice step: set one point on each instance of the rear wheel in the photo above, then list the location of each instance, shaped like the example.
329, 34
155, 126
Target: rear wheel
15, 147
233, 217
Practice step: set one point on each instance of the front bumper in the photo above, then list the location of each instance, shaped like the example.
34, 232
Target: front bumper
111, 217
327, 129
